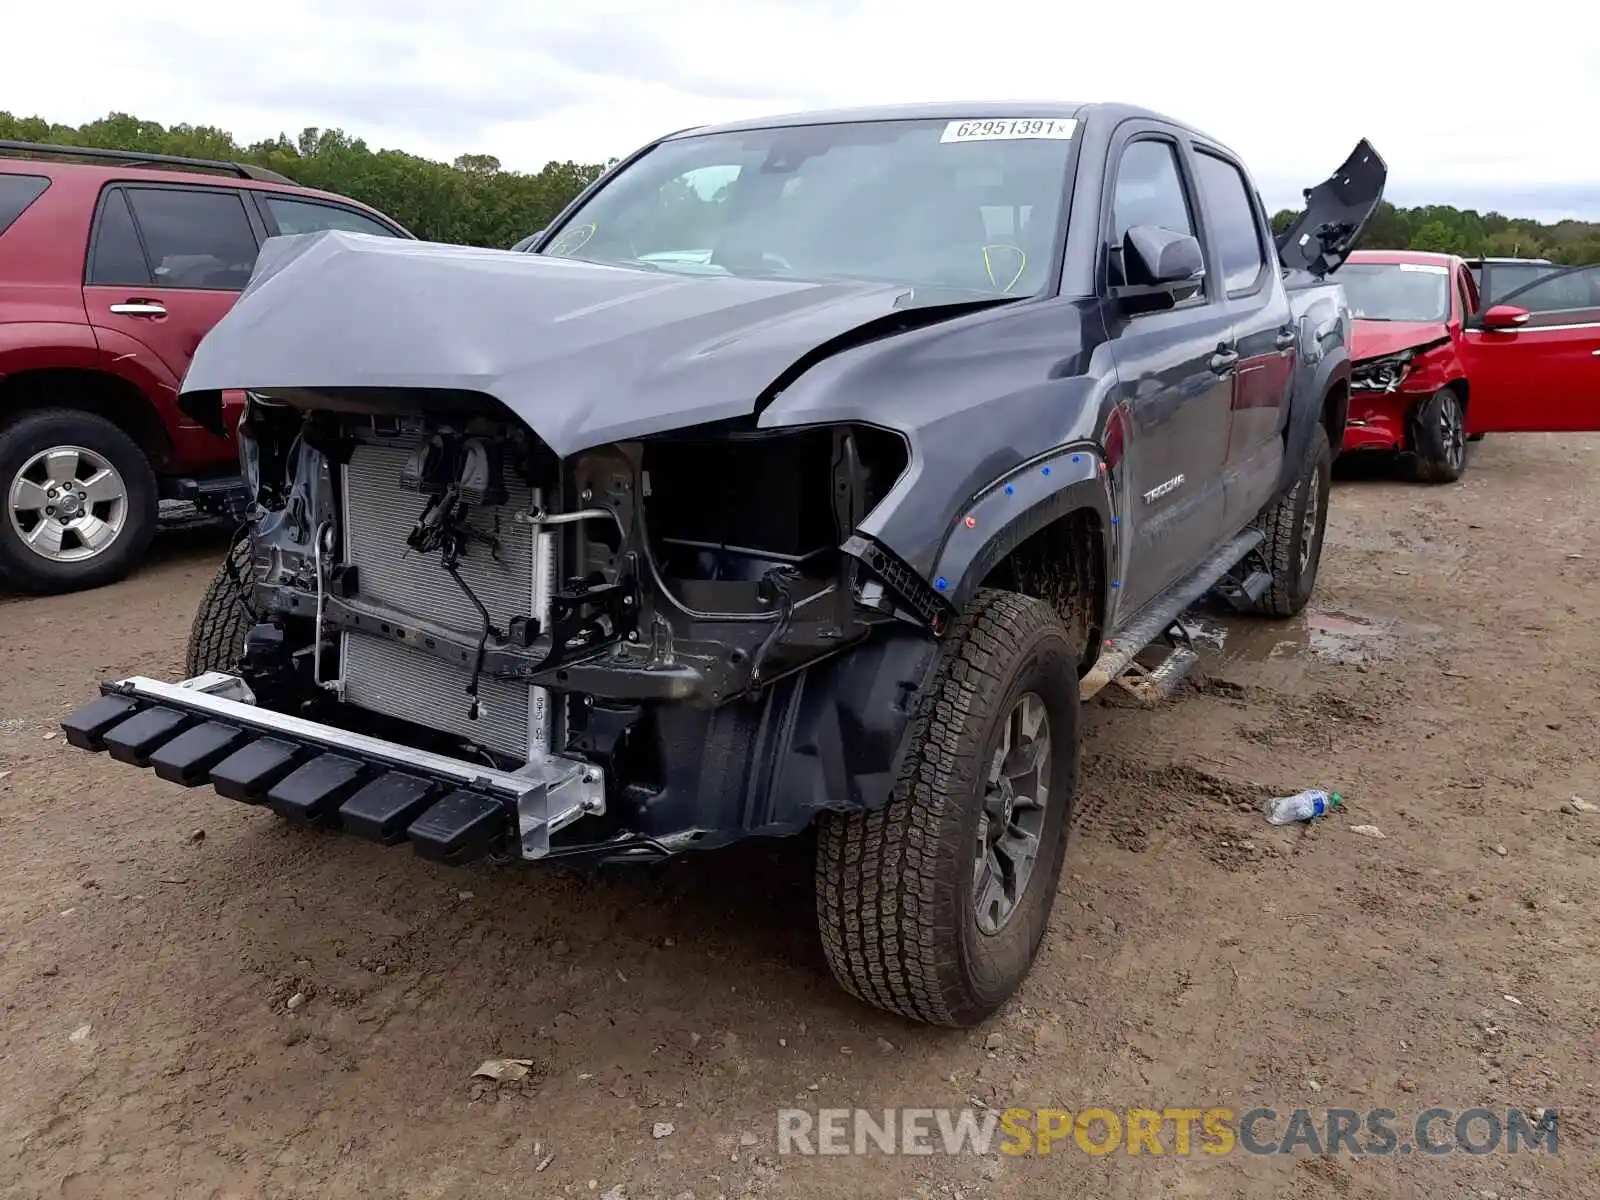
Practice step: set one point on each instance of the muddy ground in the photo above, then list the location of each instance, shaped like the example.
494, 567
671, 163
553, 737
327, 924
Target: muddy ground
152, 1046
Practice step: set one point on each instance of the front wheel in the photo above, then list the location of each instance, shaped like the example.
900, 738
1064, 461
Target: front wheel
1439, 438
216, 638
933, 907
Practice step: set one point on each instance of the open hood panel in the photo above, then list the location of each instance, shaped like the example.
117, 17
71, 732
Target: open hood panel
582, 353
1336, 212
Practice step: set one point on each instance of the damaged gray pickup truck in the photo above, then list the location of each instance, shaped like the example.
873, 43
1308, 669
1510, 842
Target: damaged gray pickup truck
805, 473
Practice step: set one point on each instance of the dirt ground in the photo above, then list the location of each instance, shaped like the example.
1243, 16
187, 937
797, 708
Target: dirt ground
153, 1045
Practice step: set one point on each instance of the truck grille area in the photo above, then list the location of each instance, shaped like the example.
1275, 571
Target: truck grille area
392, 678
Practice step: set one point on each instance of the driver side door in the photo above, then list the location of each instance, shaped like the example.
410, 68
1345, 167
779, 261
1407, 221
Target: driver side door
1542, 375
1175, 378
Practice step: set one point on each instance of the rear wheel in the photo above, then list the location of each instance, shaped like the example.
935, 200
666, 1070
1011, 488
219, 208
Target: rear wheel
934, 906
1294, 526
79, 498
216, 639
1439, 437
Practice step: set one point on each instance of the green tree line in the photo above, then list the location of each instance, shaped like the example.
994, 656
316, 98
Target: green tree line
475, 201
1471, 234
471, 201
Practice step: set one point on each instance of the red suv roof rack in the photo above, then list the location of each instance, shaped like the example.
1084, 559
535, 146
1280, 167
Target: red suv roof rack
138, 158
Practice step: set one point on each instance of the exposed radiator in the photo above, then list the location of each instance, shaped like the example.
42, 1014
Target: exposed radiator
390, 677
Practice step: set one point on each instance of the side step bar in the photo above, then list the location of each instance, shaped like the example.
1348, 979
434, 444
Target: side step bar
209, 730
1118, 653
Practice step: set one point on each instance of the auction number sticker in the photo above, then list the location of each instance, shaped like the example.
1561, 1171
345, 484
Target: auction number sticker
1425, 268
1010, 129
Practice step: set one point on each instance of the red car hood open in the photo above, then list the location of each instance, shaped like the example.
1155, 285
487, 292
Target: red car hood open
1375, 339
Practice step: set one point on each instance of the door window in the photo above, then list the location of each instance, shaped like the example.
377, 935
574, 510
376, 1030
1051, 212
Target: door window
307, 216
1561, 291
16, 193
194, 238
1149, 191
1236, 228
116, 259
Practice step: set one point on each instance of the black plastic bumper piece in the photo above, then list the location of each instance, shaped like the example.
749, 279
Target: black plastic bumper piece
304, 776
248, 773
316, 787
86, 728
460, 827
385, 808
134, 740
189, 757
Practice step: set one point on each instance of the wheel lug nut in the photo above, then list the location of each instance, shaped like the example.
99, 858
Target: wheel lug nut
51, 493
51, 511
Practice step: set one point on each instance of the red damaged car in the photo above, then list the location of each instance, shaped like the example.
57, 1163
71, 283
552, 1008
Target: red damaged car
1436, 364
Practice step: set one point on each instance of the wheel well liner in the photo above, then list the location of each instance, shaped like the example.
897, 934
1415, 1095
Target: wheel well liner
1063, 564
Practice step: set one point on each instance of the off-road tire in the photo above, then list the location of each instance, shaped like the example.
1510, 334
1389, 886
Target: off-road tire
1438, 455
894, 886
1294, 573
26, 436
216, 639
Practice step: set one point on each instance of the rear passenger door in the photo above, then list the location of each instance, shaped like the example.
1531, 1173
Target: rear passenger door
1174, 375
165, 263
1262, 331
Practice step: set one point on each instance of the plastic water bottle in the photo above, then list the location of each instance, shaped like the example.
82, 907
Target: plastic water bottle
1285, 810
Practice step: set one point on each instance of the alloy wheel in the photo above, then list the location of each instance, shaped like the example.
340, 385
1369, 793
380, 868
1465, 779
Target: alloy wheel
67, 504
1012, 821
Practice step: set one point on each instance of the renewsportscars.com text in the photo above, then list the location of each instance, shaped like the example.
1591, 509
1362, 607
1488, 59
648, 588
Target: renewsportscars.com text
1369, 1133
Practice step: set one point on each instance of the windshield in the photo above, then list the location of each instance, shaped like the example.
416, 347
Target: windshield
1397, 291
971, 205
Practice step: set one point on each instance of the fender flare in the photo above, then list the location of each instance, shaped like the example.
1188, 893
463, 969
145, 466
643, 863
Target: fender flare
1014, 507
1331, 370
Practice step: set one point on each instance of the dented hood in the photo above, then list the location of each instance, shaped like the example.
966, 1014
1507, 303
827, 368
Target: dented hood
1376, 339
582, 353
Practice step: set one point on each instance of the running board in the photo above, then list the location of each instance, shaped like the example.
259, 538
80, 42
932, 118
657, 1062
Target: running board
1118, 653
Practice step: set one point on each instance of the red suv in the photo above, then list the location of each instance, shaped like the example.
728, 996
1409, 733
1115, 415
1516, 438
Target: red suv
113, 266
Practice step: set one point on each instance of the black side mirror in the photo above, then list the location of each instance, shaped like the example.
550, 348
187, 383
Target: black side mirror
1154, 256
1160, 267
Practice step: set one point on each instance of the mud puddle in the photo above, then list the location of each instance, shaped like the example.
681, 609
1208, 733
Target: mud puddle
1347, 637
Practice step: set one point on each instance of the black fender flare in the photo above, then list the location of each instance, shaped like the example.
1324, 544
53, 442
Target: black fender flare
1014, 507
1316, 382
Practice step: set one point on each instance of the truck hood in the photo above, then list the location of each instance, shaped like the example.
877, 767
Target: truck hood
581, 352
1377, 339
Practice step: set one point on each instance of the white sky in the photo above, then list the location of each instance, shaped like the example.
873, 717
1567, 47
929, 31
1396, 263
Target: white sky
1459, 118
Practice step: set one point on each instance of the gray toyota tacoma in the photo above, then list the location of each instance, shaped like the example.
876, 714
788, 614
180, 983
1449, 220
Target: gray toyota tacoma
806, 472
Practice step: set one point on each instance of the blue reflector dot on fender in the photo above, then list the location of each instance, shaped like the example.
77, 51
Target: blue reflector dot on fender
1011, 489
941, 583
1077, 458
1116, 583
1114, 520
1047, 470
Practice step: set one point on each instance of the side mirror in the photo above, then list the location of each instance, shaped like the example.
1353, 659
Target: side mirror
1161, 267
1505, 316
522, 244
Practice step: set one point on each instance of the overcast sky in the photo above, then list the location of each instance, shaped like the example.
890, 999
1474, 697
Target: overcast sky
1460, 118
